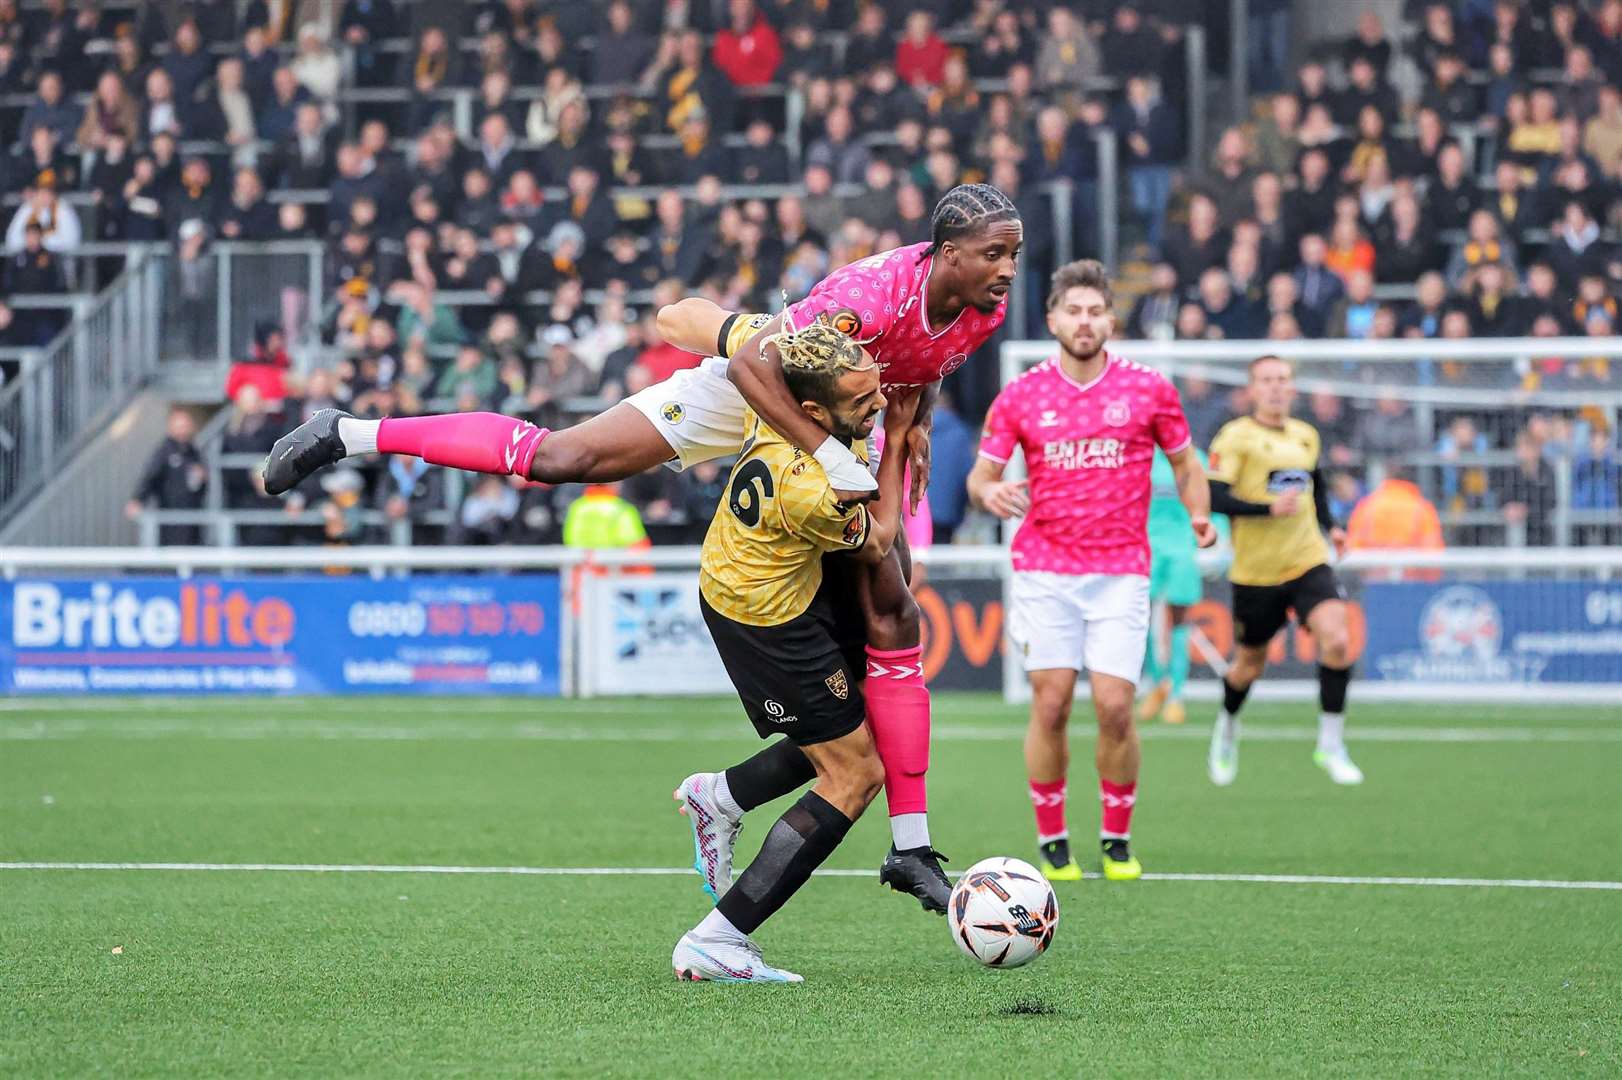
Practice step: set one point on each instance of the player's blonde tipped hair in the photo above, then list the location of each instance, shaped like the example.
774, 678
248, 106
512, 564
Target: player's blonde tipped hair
813, 359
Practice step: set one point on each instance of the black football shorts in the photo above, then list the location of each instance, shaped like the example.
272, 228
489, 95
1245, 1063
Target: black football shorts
793, 678
1260, 610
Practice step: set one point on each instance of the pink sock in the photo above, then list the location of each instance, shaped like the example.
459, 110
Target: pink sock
898, 713
479, 441
1118, 800
1047, 796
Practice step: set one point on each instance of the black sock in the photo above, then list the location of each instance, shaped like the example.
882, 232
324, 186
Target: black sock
800, 840
1332, 689
1233, 700
770, 774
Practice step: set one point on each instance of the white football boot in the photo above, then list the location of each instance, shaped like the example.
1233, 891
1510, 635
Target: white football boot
715, 834
706, 960
1338, 764
1222, 764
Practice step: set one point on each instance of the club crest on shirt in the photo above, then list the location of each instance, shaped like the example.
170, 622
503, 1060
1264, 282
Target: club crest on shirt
838, 685
673, 412
953, 362
1117, 413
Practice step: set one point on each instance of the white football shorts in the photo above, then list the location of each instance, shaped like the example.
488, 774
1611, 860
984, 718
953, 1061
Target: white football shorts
1092, 622
698, 411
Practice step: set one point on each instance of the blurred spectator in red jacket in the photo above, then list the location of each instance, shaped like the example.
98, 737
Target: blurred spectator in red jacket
747, 51
920, 56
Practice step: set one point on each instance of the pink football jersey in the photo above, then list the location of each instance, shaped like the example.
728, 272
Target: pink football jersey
1088, 452
880, 301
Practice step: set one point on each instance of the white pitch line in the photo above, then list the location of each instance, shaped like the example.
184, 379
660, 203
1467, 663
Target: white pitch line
239, 730
681, 871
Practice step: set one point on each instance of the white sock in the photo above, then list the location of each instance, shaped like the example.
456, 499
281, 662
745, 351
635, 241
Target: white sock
1040, 839
1102, 835
359, 436
717, 927
1331, 732
723, 797
909, 831
1227, 728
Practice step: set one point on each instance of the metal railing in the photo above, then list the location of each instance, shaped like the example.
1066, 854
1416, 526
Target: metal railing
210, 304
67, 390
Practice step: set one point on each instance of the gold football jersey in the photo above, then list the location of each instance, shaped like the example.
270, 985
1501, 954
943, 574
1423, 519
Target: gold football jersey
762, 560
1259, 464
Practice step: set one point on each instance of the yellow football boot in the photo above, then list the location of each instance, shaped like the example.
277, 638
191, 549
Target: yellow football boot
1119, 864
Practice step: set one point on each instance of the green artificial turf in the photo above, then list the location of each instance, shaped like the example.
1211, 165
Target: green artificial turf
326, 974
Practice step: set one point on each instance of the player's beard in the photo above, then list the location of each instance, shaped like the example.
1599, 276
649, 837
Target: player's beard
854, 432
1083, 357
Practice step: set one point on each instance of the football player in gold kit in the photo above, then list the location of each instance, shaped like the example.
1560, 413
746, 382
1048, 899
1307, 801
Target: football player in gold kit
762, 597
1265, 477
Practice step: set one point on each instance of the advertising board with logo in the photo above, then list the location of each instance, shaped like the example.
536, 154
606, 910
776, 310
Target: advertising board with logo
644, 634
964, 632
1506, 632
289, 635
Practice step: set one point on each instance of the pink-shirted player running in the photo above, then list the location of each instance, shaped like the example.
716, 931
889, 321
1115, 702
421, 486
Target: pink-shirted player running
1088, 422
920, 311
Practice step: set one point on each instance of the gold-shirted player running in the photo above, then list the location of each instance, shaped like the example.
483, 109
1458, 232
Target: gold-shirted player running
761, 593
1265, 477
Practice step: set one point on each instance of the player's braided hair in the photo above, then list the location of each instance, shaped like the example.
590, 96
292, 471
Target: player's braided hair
965, 210
814, 357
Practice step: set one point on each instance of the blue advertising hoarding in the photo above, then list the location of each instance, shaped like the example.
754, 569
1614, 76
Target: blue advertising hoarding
1493, 632
455, 634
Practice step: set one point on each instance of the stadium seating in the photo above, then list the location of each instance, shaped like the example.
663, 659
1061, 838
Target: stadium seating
500, 194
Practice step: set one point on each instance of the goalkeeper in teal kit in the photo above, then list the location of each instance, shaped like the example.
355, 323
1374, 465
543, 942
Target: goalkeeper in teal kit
1174, 577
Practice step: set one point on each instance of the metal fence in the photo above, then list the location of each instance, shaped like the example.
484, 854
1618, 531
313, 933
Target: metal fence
67, 389
211, 302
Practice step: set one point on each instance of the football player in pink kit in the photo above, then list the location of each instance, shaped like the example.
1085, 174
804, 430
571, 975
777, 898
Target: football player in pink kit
919, 311
1088, 422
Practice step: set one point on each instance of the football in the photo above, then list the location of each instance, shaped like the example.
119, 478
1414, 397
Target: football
1002, 913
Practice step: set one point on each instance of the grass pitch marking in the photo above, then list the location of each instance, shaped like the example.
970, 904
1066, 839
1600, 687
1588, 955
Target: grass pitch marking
684, 871
214, 727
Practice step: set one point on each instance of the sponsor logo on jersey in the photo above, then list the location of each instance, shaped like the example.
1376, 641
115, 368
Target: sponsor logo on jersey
1084, 454
838, 685
673, 412
1050, 418
1280, 481
844, 320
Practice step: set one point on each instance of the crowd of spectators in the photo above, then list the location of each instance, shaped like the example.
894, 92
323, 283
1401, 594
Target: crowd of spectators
1450, 176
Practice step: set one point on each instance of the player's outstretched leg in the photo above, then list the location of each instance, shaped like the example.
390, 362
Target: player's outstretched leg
611, 446
1327, 621
716, 802
1118, 756
1222, 762
1047, 766
898, 712
849, 776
